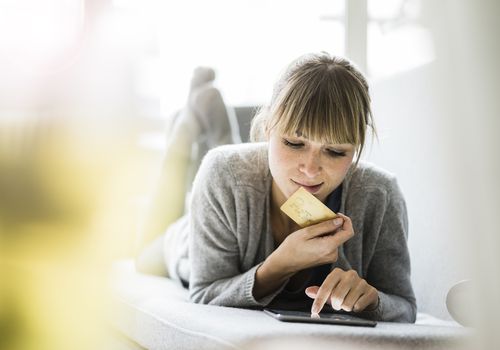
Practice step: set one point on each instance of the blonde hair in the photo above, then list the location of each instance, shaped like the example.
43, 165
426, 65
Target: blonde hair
323, 97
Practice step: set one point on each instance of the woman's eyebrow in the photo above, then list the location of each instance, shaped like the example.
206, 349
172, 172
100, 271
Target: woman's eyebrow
340, 147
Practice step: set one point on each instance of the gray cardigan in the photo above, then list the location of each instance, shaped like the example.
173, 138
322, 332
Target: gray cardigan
230, 235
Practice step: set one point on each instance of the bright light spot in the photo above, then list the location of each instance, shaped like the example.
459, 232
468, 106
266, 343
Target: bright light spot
247, 42
400, 50
384, 9
36, 34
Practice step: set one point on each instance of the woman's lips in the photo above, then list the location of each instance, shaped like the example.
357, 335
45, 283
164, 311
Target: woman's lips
311, 188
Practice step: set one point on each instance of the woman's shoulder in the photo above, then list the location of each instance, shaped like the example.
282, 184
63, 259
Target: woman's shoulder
368, 175
369, 185
242, 164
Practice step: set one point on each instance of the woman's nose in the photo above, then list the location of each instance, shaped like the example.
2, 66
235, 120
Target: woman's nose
311, 165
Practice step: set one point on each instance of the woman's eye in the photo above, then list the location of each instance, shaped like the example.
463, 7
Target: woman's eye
292, 144
334, 153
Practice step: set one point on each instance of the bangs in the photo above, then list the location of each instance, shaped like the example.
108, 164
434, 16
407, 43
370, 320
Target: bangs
328, 111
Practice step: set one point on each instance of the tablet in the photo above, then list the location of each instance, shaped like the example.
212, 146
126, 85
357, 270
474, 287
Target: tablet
323, 317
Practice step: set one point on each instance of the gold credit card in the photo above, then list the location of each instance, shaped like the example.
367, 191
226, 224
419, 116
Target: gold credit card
305, 209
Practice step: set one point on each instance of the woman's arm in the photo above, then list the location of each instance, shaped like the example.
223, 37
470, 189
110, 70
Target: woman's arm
385, 294
214, 251
216, 275
308, 247
269, 277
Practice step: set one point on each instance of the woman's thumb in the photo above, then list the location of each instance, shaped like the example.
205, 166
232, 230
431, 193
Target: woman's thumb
312, 291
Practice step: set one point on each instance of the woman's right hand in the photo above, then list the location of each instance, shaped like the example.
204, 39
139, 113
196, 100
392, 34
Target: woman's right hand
313, 245
310, 246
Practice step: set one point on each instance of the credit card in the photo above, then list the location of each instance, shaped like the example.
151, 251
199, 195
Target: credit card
305, 209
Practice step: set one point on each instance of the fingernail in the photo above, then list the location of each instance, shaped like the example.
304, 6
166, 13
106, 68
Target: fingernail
337, 221
315, 309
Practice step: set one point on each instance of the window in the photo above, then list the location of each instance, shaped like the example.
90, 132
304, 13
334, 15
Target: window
248, 42
397, 40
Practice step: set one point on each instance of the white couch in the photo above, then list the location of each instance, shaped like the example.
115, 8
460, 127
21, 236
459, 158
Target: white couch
155, 313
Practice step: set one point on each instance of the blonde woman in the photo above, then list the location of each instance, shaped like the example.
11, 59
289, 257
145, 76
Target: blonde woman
236, 248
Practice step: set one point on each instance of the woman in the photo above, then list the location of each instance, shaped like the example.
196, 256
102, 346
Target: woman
242, 251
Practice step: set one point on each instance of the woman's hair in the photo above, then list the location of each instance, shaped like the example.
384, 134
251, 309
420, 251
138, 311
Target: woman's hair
323, 97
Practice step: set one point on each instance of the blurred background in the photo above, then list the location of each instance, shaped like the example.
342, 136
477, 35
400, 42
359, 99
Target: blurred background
87, 87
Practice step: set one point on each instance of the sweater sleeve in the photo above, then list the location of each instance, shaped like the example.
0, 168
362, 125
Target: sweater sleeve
216, 276
389, 269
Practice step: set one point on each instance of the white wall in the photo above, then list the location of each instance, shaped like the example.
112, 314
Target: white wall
414, 143
439, 128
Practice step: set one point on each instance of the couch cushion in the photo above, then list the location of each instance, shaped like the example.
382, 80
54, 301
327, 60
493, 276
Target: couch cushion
155, 313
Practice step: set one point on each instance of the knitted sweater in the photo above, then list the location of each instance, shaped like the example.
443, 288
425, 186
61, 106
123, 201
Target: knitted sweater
230, 234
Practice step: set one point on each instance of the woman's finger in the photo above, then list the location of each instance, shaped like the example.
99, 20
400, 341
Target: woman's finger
312, 291
323, 228
340, 237
346, 283
369, 298
354, 295
347, 222
325, 290
344, 232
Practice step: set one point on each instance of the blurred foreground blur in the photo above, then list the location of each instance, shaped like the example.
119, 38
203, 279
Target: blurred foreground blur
65, 211
70, 172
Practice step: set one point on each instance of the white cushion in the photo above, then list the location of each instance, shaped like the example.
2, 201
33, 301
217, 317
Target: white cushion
155, 313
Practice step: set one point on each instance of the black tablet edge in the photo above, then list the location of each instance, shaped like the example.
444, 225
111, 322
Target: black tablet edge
358, 322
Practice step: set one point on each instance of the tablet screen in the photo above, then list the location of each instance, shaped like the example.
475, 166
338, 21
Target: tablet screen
323, 317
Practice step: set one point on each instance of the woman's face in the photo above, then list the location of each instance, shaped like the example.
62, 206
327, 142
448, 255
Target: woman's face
296, 162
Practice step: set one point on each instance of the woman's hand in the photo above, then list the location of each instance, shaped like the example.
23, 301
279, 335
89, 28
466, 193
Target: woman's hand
313, 245
343, 290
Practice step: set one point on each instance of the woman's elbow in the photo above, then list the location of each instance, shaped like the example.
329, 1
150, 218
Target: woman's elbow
198, 295
413, 313
410, 316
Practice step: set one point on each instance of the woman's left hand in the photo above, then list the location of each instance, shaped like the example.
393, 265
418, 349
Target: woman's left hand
343, 290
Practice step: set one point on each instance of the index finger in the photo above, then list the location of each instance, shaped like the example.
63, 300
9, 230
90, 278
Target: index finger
325, 291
